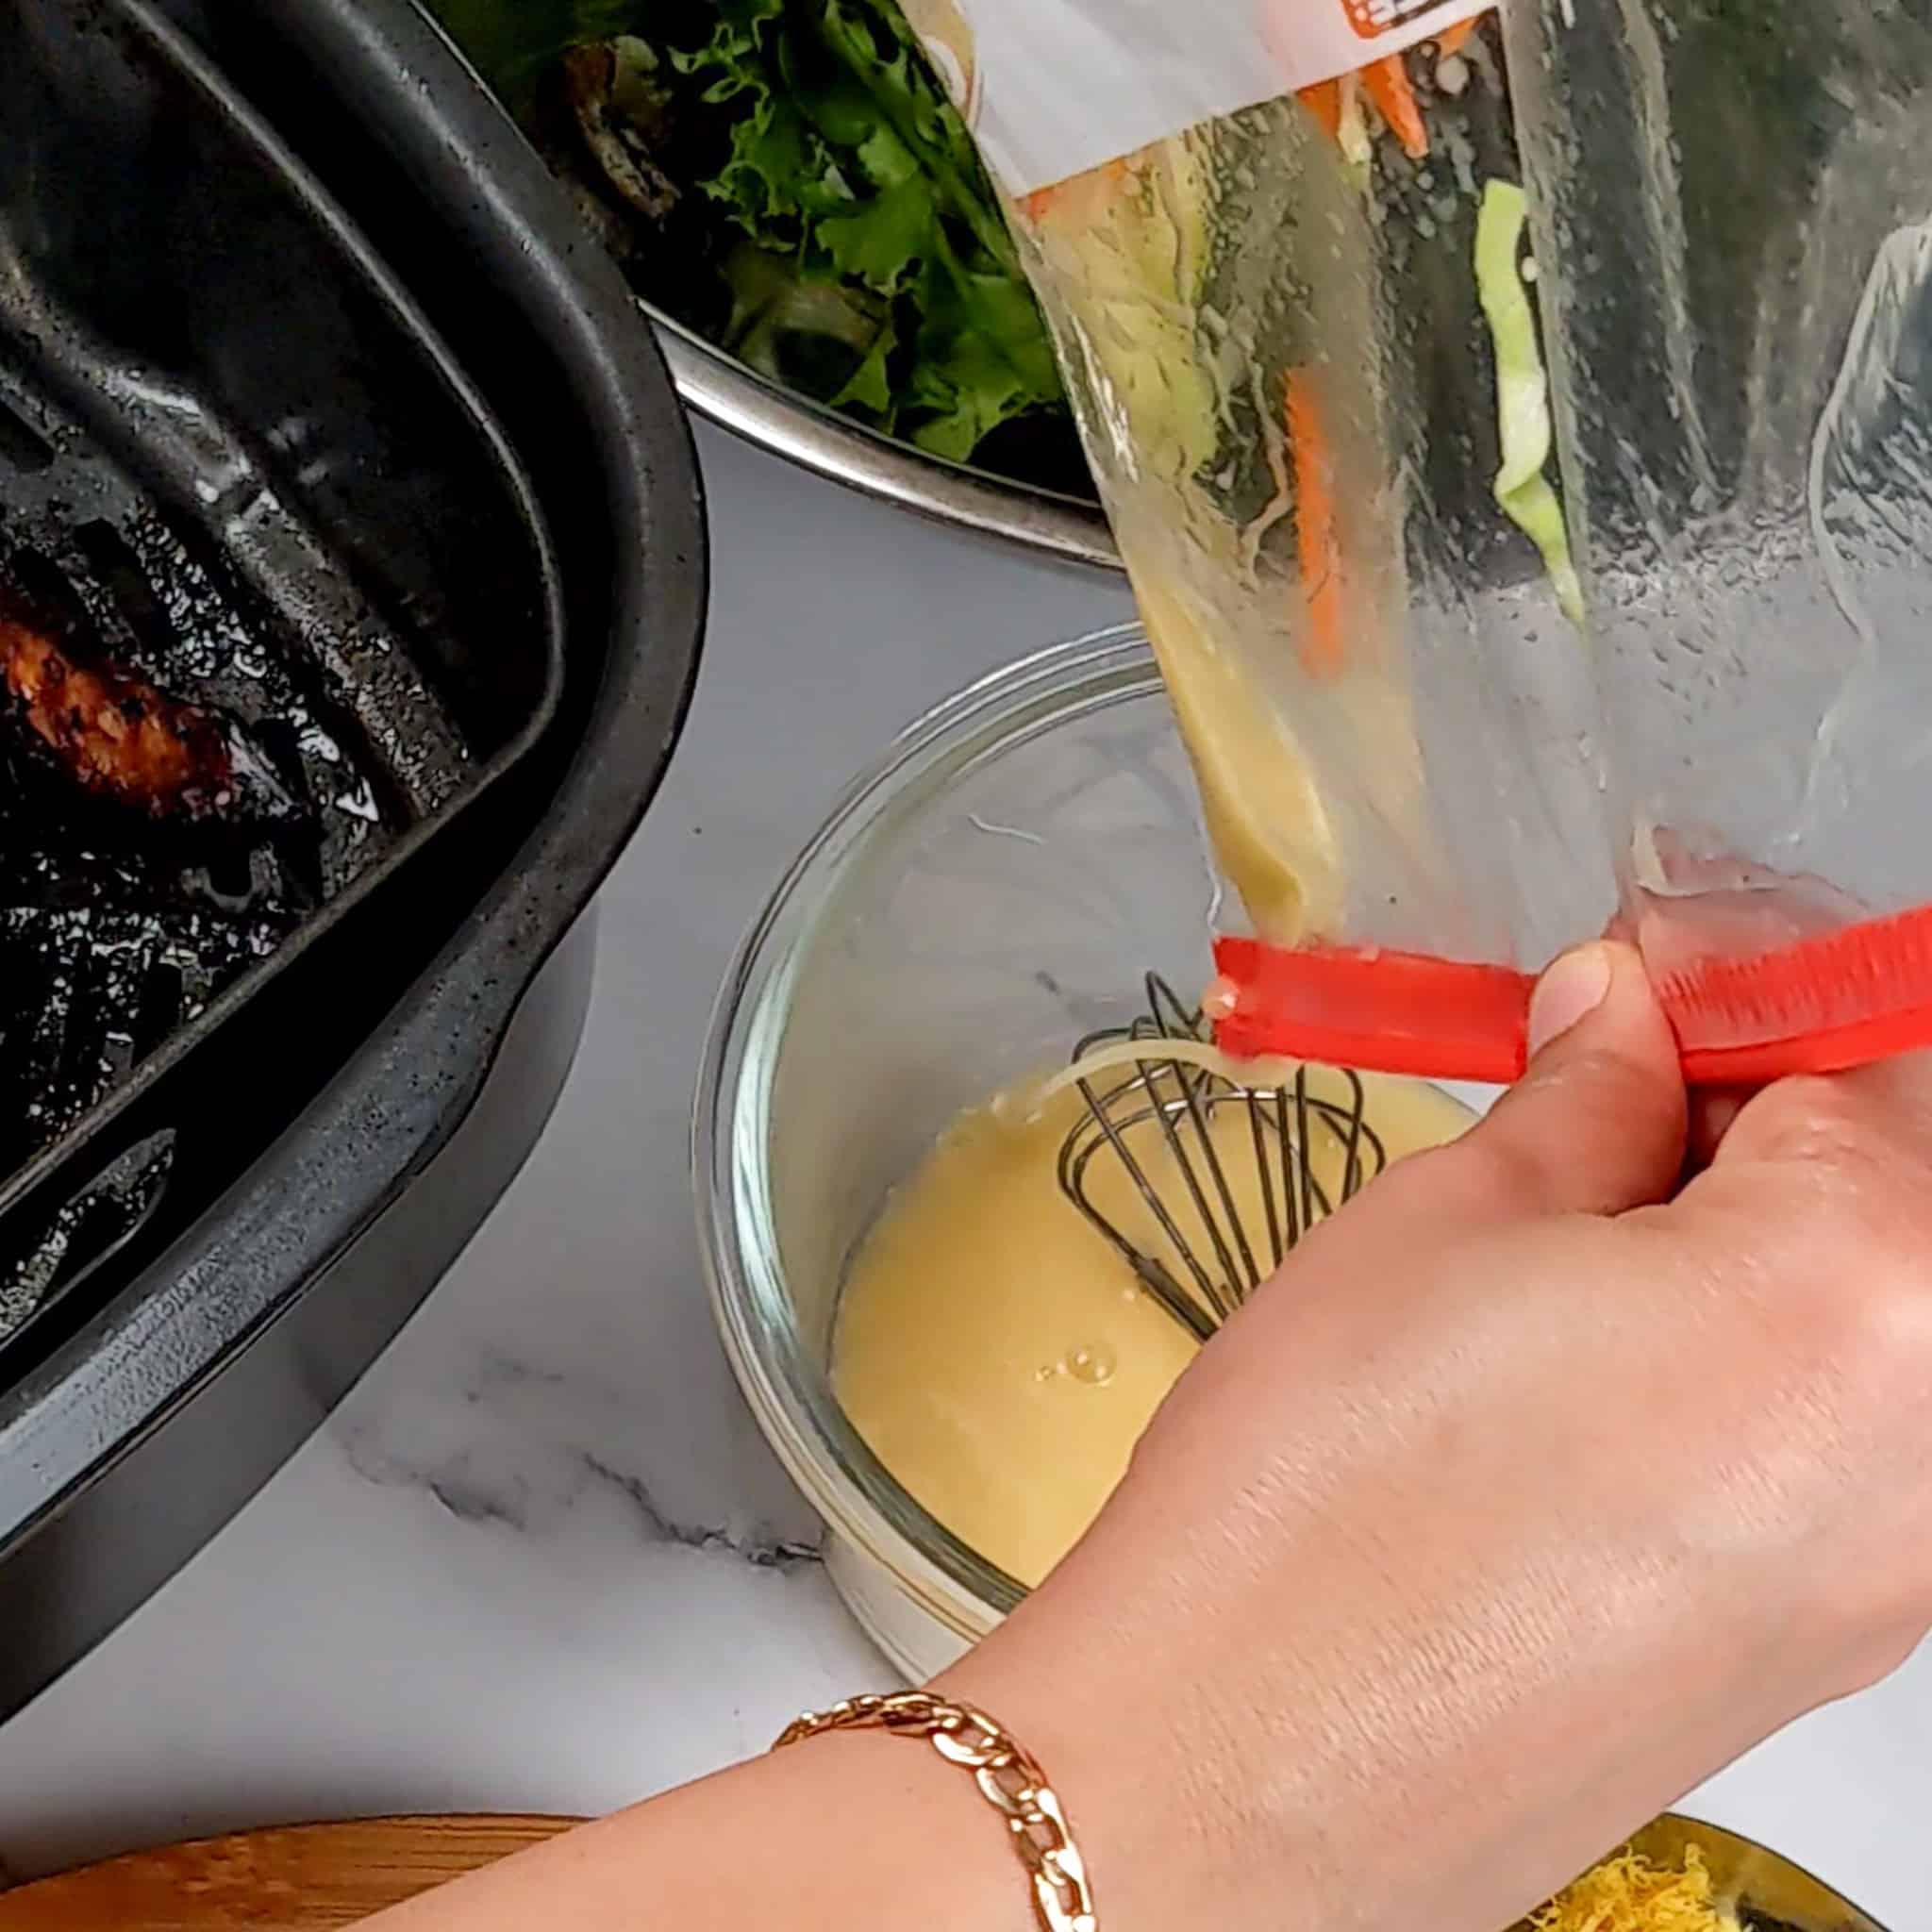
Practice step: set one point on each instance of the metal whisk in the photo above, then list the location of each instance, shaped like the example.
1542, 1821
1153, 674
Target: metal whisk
1220, 1211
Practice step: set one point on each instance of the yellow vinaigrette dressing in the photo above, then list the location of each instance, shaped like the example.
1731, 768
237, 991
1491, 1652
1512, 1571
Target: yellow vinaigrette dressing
993, 1349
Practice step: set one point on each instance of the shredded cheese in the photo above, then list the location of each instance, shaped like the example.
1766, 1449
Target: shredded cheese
1630, 1893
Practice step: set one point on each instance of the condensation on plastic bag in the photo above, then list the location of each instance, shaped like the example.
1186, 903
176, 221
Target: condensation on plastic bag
1444, 721
1737, 207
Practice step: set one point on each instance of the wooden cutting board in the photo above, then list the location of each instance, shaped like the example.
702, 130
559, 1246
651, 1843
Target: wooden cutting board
298, 1879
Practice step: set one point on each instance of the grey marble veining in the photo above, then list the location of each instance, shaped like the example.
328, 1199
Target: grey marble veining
501, 1442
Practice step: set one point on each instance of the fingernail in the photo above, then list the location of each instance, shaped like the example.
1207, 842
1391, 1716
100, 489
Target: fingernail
1573, 987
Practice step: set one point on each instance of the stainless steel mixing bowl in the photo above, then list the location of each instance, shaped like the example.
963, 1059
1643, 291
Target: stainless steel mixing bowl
727, 393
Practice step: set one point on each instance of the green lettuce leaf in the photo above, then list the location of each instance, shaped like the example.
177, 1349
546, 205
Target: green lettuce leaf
886, 284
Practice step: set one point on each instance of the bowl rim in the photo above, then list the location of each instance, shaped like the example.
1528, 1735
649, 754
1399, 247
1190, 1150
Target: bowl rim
773, 417
851, 1492
1740, 1844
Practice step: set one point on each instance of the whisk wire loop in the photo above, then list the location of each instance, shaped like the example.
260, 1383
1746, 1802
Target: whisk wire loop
1212, 1233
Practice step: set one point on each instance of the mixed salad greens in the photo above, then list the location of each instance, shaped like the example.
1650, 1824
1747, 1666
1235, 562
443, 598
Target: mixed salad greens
789, 179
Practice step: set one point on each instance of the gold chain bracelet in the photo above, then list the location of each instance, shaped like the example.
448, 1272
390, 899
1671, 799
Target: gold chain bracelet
1007, 1778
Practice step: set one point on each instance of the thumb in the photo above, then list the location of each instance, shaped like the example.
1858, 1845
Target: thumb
1598, 1123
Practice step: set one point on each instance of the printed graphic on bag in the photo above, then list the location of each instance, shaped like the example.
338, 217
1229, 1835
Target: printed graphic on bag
1371, 19
1055, 87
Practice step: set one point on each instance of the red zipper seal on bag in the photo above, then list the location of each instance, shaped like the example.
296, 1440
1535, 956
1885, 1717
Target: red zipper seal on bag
1382, 1011
1822, 1004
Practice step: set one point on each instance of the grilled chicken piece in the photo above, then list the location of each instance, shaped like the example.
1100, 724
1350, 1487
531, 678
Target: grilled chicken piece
115, 735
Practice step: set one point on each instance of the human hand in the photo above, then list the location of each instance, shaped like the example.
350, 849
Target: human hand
1532, 1491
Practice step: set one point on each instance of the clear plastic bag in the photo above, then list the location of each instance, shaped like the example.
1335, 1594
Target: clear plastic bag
1519, 431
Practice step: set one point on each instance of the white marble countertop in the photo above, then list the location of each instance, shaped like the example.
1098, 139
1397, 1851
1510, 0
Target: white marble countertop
540, 1559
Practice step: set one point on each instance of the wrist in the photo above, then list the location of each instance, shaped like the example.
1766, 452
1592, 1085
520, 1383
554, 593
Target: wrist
1005, 1775
1166, 1802
874, 1829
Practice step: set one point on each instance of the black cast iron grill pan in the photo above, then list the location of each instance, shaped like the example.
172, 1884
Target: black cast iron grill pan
277, 603
342, 1120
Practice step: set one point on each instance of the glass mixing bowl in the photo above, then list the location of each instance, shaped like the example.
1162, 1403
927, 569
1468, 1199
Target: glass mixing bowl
995, 889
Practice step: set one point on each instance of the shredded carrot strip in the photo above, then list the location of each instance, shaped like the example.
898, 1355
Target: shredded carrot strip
1387, 81
1036, 204
1452, 40
1323, 101
1325, 650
